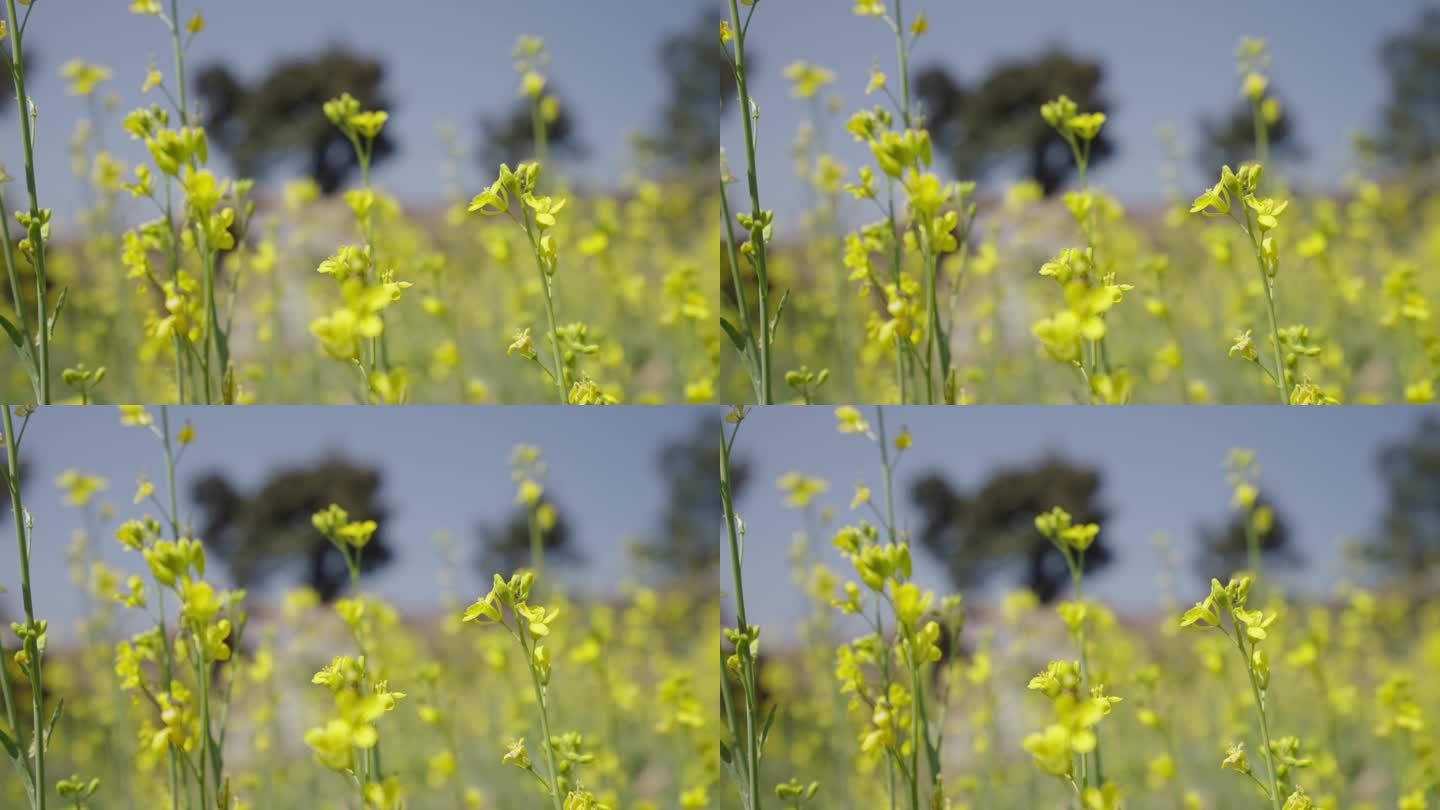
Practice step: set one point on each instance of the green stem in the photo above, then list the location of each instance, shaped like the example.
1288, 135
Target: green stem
885, 472
32, 649
1259, 695
757, 236
752, 351
1270, 310
37, 241
541, 702
747, 674
915, 729
559, 369
537, 546
904, 63
14, 275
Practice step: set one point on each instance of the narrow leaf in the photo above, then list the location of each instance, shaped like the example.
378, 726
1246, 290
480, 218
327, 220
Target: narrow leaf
779, 310
765, 729
59, 307
54, 718
735, 339
14, 332
9, 745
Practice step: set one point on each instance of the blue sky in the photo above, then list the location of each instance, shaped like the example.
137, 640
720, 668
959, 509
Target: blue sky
1166, 62
443, 467
447, 61
1163, 471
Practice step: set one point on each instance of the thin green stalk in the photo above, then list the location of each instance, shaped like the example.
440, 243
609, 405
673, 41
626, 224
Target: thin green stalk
757, 237
203, 676
32, 649
15, 296
915, 728
537, 546
752, 351
747, 673
1270, 310
559, 369
904, 63
1077, 574
542, 703
537, 124
1262, 133
885, 472
1259, 695
37, 241
208, 281
167, 662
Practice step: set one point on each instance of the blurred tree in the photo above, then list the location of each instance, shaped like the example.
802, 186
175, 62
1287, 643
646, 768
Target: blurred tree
1407, 542
687, 541
1230, 140
997, 121
1225, 549
279, 117
977, 534
268, 531
505, 548
1410, 122
510, 138
689, 128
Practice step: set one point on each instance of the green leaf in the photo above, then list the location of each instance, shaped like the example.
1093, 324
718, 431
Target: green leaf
765, 729
54, 718
9, 745
55, 316
14, 332
779, 310
735, 338
725, 756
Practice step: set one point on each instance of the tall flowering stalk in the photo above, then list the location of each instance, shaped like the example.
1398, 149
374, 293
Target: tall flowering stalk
1237, 197
34, 352
214, 213
900, 726
937, 221
755, 336
153, 665
349, 742
508, 605
744, 748
355, 333
1079, 701
27, 756
535, 214
1248, 628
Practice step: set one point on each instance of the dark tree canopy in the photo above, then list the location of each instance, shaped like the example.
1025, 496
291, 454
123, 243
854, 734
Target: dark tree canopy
260, 534
1225, 548
686, 542
689, 127
1407, 541
1230, 140
1410, 122
978, 534
510, 138
505, 548
996, 122
279, 116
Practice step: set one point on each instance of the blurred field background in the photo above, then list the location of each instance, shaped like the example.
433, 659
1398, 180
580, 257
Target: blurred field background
1348, 559
627, 558
1352, 144
627, 140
